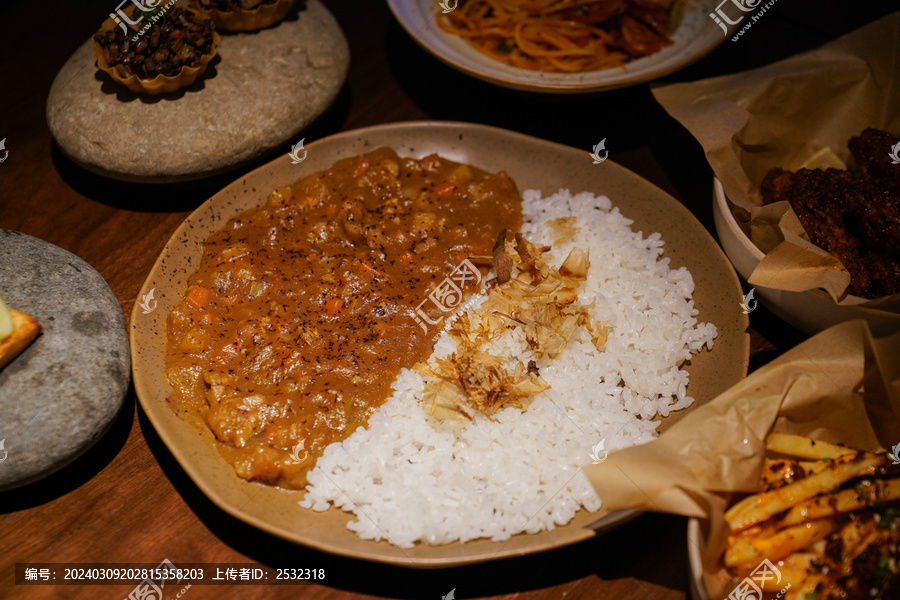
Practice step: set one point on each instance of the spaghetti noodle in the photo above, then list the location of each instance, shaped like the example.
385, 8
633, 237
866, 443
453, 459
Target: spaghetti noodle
562, 35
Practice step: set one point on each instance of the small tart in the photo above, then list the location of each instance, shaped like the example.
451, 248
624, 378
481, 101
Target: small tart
162, 83
243, 19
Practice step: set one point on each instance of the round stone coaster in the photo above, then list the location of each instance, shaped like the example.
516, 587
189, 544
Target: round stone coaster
260, 91
60, 395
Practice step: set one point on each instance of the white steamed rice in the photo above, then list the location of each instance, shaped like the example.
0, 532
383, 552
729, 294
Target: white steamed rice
408, 481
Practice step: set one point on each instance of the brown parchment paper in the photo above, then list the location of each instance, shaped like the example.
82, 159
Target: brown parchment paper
779, 116
841, 386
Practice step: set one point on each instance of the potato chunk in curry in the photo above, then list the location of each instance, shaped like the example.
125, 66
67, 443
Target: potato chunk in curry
302, 312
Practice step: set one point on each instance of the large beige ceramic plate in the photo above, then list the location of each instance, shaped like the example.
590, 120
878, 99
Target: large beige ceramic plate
532, 163
694, 36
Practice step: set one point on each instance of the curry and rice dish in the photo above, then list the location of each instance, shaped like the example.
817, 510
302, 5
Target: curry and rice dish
416, 342
301, 313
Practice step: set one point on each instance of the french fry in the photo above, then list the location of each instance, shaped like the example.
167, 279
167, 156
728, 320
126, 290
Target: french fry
843, 502
800, 515
759, 507
801, 447
802, 593
857, 536
795, 570
748, 551
786, 470
780, 470
814, 466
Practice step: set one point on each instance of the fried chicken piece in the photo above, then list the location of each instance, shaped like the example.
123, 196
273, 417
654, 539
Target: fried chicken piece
854, 215
876, 220
821, 200
872, 149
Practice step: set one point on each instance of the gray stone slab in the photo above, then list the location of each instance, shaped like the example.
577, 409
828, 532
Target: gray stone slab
60, 395
260, 91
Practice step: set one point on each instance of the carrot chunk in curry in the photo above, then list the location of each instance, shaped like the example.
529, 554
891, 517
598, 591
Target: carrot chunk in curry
302, 312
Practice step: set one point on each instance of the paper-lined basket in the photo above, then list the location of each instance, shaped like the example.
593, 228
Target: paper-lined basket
841, 386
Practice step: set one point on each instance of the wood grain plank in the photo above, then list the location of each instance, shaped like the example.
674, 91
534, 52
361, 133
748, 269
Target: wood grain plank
127, 500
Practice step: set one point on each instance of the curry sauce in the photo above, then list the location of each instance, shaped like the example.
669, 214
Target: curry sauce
303, 311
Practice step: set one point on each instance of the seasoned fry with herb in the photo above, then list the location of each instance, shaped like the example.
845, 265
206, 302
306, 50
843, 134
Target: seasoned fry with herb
828, 518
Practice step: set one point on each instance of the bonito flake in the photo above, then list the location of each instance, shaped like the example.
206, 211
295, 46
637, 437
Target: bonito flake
528, 294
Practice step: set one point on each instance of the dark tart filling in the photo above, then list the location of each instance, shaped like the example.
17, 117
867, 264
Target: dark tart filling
176, 39
229, 5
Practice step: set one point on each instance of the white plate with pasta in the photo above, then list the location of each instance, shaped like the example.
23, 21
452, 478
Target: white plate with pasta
564, 46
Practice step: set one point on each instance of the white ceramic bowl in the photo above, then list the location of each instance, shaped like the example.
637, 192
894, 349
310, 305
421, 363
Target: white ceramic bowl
694, 37
695, 559
696, 541
810, 312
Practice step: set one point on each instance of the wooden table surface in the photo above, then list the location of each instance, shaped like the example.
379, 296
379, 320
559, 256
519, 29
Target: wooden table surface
128, 501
